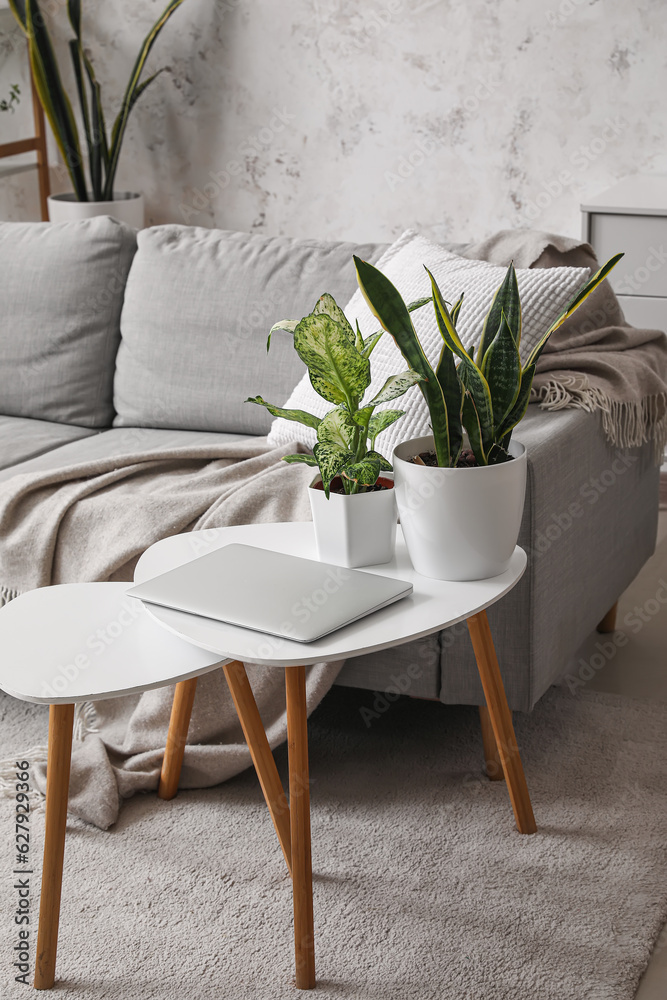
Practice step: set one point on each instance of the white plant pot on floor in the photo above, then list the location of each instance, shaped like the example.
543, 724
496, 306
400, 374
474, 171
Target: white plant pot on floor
357, 530
126, 207
459, 524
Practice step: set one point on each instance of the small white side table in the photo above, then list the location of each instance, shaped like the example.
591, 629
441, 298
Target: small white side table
433, 605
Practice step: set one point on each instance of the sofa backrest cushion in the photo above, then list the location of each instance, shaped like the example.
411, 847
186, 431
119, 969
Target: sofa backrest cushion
61, 294
198, 307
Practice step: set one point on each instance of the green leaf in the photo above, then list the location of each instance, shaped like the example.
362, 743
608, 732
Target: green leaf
502, 368
474, 428
456, 309
304, 459
445, 322
385, 466
359, 341
478, 387
130, 96
452, 390
387, 305
338, 428
418, 303
396, 385
284, 324
331, 460
362, 416
18, 9
300, 416
337, 371
363, 473
497, 455
506, 300
580, 297
370, 342
504, 432
380, 422
327, 306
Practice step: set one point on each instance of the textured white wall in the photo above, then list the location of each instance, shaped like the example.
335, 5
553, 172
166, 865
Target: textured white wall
355, 120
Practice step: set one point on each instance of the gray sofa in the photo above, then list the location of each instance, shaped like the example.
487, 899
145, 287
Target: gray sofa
105, 347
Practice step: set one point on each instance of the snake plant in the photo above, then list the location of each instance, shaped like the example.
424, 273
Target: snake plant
338, 362
487, 395
103, 149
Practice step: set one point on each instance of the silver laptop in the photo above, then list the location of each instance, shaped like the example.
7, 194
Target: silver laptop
272, 592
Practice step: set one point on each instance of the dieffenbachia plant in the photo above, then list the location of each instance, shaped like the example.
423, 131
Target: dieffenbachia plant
103, 149
338, 362
487, 394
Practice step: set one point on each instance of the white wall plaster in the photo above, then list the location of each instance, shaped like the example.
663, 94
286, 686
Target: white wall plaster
355, 120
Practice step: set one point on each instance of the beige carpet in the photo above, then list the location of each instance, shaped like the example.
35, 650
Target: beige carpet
423, 889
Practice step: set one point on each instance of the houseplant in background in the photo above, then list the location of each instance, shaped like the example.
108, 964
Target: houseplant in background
460, 492
9, 103
353, 505
95, 195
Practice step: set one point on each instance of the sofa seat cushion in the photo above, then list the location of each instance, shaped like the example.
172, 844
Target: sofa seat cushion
117, 441
22, 439
198, 307
60, 302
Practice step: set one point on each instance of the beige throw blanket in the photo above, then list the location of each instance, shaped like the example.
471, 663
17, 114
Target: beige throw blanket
92, 522
595, 361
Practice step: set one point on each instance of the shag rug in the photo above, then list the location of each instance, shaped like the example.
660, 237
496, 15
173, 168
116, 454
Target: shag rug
423, 887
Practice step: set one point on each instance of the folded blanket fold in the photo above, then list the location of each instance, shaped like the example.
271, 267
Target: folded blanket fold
92, 522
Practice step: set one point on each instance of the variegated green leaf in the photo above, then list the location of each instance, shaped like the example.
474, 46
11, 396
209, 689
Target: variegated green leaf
478, 387
337, 371
506, 300
304, 459
497, 455
452, 390
385, 466
300, 416
338, 428
359, 341
331, 460
363, 473
504, 432
362, 418
418, 303
284, 324
370, 342
395, 386
327, 306
380, 422
456, 309
445, 322
474, 429
502, 369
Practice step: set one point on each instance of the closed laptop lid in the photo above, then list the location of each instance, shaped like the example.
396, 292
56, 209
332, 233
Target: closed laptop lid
273, 592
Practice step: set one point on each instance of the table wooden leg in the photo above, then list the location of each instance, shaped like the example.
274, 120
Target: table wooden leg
61, 721
493, 766
177, 737
608, 623
260, 751
297, 741
501, 721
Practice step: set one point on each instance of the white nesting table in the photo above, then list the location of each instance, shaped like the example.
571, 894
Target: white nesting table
433, 605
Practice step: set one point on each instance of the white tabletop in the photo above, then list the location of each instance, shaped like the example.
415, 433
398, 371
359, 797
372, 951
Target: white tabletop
434, 604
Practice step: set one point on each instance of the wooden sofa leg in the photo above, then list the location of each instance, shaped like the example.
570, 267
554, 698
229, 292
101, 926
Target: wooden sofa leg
493, 766
608, 623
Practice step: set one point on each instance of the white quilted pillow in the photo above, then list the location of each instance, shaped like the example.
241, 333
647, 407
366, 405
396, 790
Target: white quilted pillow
544, 294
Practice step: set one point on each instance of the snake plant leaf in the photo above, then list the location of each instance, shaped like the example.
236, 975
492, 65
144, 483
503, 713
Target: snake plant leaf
337, 371
120, 124
380, 422
284, 324
304, 459
51, 92
300, 416
388, 307
507, 301
385, 466
395, 386
326, 305
502, 369
456, 309
418, 303
331, 460
363, 473
445, 322
338, 428
475, 384
94, 159
474, 428
452, 390
572, 307
497, 454
370, 342
504, 432
18, 9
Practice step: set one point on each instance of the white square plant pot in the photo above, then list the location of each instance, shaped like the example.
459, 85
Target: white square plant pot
358, 530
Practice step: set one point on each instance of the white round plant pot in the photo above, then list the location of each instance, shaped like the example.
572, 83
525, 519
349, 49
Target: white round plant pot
126, 207
358, 530
459, 524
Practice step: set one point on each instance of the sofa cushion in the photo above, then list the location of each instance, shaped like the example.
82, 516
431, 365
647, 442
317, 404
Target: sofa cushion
198, 307
22, 439
60, 302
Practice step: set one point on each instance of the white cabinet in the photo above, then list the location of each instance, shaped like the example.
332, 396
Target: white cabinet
632, 217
